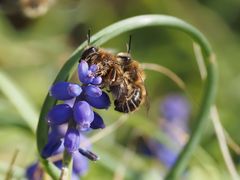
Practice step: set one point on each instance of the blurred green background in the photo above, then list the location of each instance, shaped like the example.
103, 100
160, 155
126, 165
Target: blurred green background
35, 41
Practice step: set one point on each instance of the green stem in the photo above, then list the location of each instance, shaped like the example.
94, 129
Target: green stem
50, 168
67, 164
137, 23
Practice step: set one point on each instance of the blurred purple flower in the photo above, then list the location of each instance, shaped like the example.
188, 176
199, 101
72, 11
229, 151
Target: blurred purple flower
34, 172
175, 107
80, 164
164, 154
175, 111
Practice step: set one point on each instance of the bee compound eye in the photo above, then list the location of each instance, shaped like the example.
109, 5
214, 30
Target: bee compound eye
89, 51
128, 59
124, 58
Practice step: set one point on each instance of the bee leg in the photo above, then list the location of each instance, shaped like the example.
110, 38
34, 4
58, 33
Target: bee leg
122, 90
111, 77
92, 57
134, 105
128, 107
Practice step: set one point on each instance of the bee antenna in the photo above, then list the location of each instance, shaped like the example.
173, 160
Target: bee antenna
88, 36
129, 44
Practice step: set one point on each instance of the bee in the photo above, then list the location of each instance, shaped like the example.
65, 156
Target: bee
131, 93
121, 75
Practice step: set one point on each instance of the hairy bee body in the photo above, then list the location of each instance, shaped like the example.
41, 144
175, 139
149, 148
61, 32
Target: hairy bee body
135, 92
121, 75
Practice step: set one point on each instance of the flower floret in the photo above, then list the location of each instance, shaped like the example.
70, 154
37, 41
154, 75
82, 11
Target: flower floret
65, 90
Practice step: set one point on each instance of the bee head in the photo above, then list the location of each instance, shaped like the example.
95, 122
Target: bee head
124, 58
89, 51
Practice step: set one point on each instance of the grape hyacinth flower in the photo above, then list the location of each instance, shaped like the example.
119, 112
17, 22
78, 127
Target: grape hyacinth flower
75, 113
175, 111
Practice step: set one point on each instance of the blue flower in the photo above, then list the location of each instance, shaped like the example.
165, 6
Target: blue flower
92, 91
58, 131
83, 114
79, 99
101, 102
87, 75
175, 107
175, 111
54, 144
51, 147
98, 122
72, 140
165, 155
59, 114
65, 90
76, 114
80, 164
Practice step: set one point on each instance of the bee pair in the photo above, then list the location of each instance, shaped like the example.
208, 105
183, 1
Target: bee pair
121, 75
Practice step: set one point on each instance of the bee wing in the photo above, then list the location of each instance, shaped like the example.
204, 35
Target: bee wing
146, 98
147, 102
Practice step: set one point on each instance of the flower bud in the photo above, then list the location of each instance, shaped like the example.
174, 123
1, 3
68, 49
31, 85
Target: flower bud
72, 140
88, 154
83, 73
97, 122
93, 91
93, 68
97, 80
65, 90
82, 69
83, 114
59, 114
52, 147
101, 102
